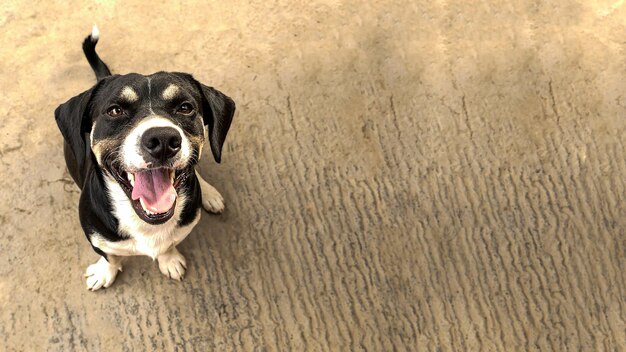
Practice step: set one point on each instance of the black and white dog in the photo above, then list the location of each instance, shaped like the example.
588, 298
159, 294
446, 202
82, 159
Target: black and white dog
131, 145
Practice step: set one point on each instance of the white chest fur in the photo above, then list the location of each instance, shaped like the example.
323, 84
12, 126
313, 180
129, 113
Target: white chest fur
143, 238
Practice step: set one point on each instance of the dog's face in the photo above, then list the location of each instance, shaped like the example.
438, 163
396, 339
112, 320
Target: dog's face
147, 133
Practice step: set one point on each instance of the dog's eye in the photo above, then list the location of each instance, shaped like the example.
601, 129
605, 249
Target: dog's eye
185, 109
115, 111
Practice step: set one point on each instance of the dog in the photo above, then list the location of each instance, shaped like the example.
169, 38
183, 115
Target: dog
131, 144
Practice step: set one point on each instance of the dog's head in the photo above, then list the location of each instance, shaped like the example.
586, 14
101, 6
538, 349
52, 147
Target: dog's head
146, 133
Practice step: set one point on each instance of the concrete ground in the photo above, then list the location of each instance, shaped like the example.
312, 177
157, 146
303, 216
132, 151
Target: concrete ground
400, 176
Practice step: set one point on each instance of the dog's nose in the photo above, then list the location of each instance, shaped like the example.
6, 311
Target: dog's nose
161, 143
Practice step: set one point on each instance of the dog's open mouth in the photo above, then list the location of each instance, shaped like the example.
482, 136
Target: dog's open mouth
152, 192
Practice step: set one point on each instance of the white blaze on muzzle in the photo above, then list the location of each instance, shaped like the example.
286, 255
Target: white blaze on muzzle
153, 188
132, 157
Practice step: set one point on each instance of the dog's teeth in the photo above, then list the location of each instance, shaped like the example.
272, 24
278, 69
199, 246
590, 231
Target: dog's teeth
145, 209
142, 205
172, 173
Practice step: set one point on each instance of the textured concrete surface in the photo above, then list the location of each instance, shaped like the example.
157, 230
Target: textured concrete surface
400, 176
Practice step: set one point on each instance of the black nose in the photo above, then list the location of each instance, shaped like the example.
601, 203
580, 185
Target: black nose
161, 143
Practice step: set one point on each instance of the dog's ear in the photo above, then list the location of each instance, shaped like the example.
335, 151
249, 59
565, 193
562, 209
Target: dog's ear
218, 111
74, 121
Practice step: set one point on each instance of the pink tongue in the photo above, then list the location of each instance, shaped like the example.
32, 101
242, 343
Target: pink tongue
155, 189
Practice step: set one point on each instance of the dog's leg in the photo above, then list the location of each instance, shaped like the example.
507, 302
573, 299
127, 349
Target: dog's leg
172, 264
212, 200
103, 272
120, 248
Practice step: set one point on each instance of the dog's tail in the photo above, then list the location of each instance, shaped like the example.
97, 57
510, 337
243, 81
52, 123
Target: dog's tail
89, 48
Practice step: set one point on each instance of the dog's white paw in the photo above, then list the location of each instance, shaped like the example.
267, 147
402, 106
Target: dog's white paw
172, 264
101, 274
212, 200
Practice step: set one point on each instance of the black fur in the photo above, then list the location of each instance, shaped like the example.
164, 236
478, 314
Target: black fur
74, 122
222, 110
98, 66
77, 117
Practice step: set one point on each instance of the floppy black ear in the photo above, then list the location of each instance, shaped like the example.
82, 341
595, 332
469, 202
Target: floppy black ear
74, 122
218, 111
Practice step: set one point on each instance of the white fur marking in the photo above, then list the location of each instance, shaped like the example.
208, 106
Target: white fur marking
143, 238
149, 94
172, 264
170, 91
102, 273
131, 148
212, 200
95, 33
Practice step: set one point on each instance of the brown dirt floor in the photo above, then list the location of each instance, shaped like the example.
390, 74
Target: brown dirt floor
420, 175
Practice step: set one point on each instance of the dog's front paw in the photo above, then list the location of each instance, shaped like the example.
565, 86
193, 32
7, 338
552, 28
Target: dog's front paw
101, 274
212, 200
172, 264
